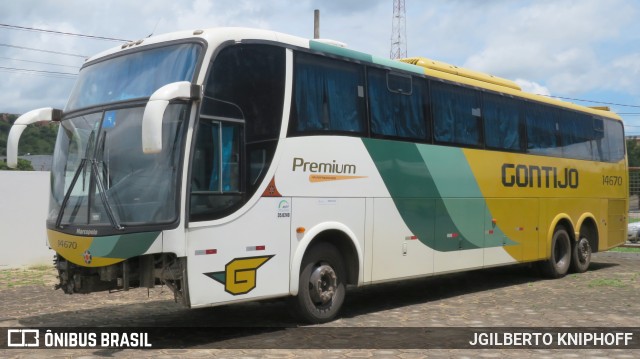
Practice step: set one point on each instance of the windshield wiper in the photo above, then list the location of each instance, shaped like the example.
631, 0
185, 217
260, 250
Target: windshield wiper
103, 196
94, 172
83, 163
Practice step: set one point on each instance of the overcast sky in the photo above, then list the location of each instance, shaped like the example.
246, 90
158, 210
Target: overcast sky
581, 49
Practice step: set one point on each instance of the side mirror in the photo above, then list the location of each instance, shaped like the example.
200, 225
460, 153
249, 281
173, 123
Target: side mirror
154, 111
46, 114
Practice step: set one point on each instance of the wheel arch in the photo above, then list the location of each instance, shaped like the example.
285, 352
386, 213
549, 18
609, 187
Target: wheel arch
565, 221
588, 226
338, 235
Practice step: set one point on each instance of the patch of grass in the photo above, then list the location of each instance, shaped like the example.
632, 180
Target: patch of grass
42, 267
35, 275
625, 249
606, 282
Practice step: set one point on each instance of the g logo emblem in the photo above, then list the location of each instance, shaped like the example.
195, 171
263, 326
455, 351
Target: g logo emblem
239, 276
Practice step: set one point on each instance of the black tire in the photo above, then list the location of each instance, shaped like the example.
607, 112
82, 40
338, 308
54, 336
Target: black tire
320, 302
581, 255
558, 264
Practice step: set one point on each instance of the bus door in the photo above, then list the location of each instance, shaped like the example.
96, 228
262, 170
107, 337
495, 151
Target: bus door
238, 244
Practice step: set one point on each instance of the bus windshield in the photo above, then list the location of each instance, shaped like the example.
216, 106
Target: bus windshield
101, 177
133, 76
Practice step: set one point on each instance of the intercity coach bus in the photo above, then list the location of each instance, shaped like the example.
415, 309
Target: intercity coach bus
237, 165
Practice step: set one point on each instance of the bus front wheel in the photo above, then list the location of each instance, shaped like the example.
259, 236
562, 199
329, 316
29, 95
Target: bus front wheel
321, 284
558, 264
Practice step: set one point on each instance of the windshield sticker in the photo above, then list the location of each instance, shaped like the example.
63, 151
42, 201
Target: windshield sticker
109, 120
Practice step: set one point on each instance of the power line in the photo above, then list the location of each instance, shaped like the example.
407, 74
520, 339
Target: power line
47, 51
39, 62
63, 77
583, 100
38, 71
63, 33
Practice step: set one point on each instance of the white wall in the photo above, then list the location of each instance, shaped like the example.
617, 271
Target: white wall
24, 203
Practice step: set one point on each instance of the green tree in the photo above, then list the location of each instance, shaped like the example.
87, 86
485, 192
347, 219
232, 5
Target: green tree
37, 139
23, 165
633, 153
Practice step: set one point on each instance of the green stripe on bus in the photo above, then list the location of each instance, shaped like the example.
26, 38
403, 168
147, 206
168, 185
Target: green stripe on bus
122, 246
344, 52
434, 191
453, 179
340, 51
413, 191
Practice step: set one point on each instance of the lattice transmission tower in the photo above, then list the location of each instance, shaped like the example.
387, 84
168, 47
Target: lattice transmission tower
398, 31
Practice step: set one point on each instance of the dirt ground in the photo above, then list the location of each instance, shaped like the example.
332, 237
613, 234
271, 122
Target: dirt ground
608, 295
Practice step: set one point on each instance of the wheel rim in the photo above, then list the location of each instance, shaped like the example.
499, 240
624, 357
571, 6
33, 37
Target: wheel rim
584, 251
322, 284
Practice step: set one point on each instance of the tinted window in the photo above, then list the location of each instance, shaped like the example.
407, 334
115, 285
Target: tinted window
133, 75
599, 143
238, 128
328, 95
216, 161
397, 108
399, 83
502, 124
615, 136
542, 130
570, 134
250, 79
456, 114
576, 132
215, 171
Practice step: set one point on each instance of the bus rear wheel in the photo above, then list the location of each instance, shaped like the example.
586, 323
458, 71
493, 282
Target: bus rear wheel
558, 264
581, 255
321, 290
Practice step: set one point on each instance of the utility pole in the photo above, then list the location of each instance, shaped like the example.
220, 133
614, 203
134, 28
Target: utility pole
398, 31
316, 24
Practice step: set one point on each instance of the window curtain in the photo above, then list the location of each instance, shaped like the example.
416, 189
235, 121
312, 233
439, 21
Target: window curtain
456, 114
396, 114
224, 176
541, 131
577, 132
327, 95
501, 123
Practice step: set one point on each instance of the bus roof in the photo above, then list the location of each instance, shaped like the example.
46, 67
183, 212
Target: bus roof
418, 65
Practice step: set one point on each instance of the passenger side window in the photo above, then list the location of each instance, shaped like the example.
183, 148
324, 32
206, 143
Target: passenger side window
615, 134
502, 123
251, 79
238, 128
542, 130
456, 115
599, 143
397, 105
328, 96
215, 172
576, 132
